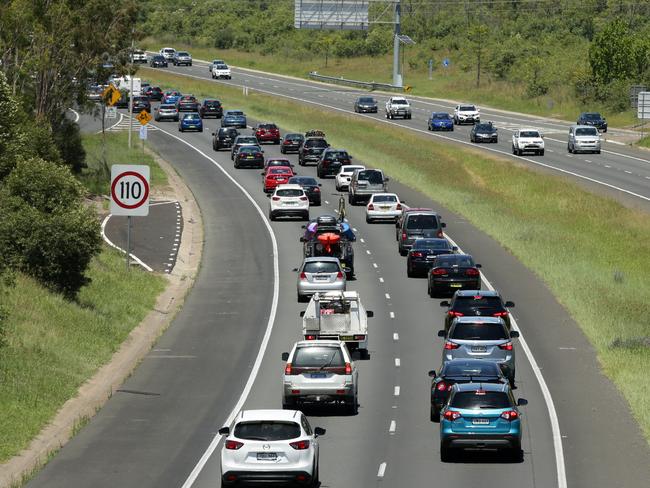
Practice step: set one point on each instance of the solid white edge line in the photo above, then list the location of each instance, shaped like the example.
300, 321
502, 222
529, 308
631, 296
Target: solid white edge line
550, 406
382, 470
110, 243
269, 326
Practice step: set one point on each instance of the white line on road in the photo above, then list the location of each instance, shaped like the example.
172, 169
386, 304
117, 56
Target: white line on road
76, 115
382, 470
395, 336
387, 296
110, 243
381, 280
393, 427
368, 251
392, 315
362, 240
396, 391
398, 363
374, 265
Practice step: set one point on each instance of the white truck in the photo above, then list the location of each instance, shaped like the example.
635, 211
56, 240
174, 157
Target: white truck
337, 315
124, 84
398, 107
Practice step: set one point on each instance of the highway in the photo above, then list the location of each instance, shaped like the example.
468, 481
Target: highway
156, 430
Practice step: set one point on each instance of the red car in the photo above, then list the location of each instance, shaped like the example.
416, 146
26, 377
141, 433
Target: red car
275, 176
268, 133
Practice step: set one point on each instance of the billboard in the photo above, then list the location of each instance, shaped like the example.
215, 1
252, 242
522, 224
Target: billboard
331, 14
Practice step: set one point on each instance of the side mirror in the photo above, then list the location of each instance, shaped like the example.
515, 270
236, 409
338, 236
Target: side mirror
262, 173
444, 303
478, 265
224, 431
432, 373
302, 239
302, 314
320, 184
268, 195
386, 179
370, 313
285, 356
443, 225
441, 333
454, 248
303, 226
514, 334
509, 304
522, 402
212, 133
318, 431
295, 270
402, 201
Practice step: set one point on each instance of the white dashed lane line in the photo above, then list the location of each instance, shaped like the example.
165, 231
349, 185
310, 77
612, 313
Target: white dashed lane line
393, 427
395, 336
387, 296
382, 470
392, 315
381, 280
398, 363
396, 391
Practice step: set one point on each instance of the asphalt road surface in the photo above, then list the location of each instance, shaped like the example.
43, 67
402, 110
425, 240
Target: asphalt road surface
156, 430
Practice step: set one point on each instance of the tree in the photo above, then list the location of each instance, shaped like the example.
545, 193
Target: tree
612, 53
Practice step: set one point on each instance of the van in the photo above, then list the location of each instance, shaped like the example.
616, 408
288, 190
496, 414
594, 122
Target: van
417, 225
583, 138
365, 182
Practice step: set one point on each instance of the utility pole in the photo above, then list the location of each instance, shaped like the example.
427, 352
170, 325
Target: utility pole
131, 95
397, 75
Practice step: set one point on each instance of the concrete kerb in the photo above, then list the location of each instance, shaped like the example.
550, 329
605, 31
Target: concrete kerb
95, 392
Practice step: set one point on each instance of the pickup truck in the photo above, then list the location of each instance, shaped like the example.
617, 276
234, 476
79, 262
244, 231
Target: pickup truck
398, 107
221, 71
337, 315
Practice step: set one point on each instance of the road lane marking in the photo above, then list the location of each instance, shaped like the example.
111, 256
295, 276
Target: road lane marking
395, 336
398, 363
368, 251
387, 296
396, 391
362, 240
381, 280
382, 470
393, 427
110, 243
392, 315
374, 265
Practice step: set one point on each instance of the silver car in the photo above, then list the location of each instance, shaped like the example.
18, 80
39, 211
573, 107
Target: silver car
316, 274
481, 338
166, 111
583, 138
320, 371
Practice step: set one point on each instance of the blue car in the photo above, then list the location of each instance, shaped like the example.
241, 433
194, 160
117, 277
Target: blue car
481, 416
190, 121
234, 118
440, 121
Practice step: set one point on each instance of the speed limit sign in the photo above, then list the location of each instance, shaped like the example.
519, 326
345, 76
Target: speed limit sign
130, 190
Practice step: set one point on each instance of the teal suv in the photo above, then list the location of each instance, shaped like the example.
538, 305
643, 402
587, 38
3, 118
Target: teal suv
481, 416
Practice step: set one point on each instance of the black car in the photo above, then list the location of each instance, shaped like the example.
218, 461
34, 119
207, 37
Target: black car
291, 143
593, 118
211, 108
484, 133
141, 103
421, 255
224, 138
477, 303
451, 272
154, 93
461, 371
365, 104
311, 187
331, 161
311, 150
188, 103
158, 61
251, 156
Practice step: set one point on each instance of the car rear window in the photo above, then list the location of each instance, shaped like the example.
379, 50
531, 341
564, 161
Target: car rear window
480, 331
372, 177
290, 193
587, 131
267, 430
480, 399
384, 198
316, 143
304, 180
235, 112
294, 137
268, 126
350, 169
337, 154
453, 368
249, 149
454, 260
191, 117
279, 170
471, 304
247, 140
318, 357
430, 244
212, 103
421, 222
321, 267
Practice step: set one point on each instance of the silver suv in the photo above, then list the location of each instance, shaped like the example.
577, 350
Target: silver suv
583, 138
365, 182
481, 338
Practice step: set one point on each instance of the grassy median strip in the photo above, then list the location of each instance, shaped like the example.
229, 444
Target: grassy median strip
590, 251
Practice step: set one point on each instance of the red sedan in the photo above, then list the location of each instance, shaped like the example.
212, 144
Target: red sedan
268, 133
275, 176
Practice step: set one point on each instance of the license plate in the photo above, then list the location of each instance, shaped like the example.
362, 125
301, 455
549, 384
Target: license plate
347, 338
321, 278
317, 375
455, 285
249, 157
385, 207
480, 421
479, 349
290, 203
267, 456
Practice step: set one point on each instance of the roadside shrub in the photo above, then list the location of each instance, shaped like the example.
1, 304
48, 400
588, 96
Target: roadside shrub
67, 139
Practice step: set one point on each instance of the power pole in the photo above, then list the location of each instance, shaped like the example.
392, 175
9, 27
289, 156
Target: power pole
131, 98
397, 75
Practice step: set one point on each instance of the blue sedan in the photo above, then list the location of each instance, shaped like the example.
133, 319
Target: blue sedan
481, 416
440, 121
190, 121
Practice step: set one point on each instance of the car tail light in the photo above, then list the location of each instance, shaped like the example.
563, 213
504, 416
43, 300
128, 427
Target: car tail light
310, 337
286, 143
451, 313
506, 347
399, 206
500, 314
403, 236
303, 276
450, 346
316, 189
472, 272
348, 368
442, 386
258, 155
439, 234
304, 199
360, 337
439, 271
416, 254
339, 275
510, 415
288, 370
451, 415
276, 199
233, 445
300, 445
371, 206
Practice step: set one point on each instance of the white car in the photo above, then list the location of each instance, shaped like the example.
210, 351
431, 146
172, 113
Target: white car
215, 62
289, 201
320, 371
398, 107
221, 71
270, 446
168, 53
139, 56
383, 206
527, 140
467, 114
344, 175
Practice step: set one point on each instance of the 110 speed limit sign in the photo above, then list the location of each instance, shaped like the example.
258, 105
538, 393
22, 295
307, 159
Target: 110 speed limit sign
130, 190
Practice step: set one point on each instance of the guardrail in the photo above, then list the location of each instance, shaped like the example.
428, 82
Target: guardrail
371, 85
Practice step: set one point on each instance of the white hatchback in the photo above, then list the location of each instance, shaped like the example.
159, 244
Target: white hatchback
270, 446
289, 201
383, 206
344, 175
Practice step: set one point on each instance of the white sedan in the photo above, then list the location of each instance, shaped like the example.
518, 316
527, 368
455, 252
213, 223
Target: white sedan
289, 201
383, 206
270, 446
345, 174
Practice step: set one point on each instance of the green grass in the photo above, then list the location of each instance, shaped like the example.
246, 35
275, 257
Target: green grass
101, 155
566, 235
455, 83
645, 142
55, 345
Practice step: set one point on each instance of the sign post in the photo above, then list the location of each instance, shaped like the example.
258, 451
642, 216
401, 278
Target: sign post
643, 109
129, 195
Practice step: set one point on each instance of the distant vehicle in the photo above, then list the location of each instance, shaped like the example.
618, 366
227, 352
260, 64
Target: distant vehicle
291, 143
270, 446
440, 121
141, 103
319, 274
527, 140
221, 71
594, 119
484, 133
278, 162
250, 156
583, 138
288, 201
477, 303
422, 253
383, 206
234, 118
224, 138
398, 107
405, 212
182, 58
166, 111
242, 140
123, 83
311, 187
467, 114
215, 62
267, 132
190, 121
188, 103
154, 93
311, 150
168, 53
416, 225
171, 96
211, 108
365, 104
452, 272
158, 61
275, 176
364, 183
331, 161
95, 92
343, 177
123, 102
139, 56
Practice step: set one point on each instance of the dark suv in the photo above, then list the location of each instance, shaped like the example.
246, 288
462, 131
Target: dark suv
211, 108
292, 143
417, 225
224, 138
331, 161
311, 150
477, 303
593, 118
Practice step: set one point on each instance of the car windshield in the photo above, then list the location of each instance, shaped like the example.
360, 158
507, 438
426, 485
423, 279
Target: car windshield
591, 131
430, 244
191, 117
249, 149
212, 103
225, 132
267, 430
384, 198
459, 368
268, 126
316, 143
479, 399
469, 305
422, 222
321, 267
289, 193
591, 116
222, 66
529, 133
454, 260
304, 180
183, 53
366, 100
399, 101
158, 57
484, 128
467, 108
440, 116
478, 331
372, 177
294, 137
318, 356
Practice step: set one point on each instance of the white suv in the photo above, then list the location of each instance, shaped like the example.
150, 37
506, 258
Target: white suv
289, 200
344, 175
467, 114
270, 446
168, 53
527, 140
320, 371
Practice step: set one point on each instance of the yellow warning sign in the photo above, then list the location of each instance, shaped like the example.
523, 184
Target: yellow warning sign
144, 117
111, 94
407, 88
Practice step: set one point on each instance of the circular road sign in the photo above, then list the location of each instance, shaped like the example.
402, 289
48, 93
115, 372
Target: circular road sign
130, 190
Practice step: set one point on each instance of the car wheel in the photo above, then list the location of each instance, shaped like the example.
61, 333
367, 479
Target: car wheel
364, 353
434, 415
446, 454
315, 477
353, 405
317, 203
282, 151
302, 298
516, 455
511, 380
402, 252
350, 199
288, 404
236, 165
306, 216
432, 291
598, 152
368, 221
541, 153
